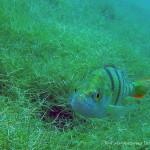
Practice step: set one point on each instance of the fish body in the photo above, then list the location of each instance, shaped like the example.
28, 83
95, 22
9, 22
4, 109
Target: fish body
103, 91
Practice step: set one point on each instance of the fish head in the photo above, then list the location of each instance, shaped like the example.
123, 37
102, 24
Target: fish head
91, 101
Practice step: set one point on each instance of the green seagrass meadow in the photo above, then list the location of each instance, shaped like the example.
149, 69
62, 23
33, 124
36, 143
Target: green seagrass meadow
46, 48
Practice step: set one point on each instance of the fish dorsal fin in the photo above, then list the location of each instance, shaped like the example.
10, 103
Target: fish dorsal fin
109, 65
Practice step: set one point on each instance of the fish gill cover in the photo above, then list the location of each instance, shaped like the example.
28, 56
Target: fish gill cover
46, 48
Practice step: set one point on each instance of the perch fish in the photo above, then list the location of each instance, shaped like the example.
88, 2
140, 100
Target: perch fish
103, 91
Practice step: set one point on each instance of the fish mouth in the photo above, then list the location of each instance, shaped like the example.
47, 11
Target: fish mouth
88, 108
84, 107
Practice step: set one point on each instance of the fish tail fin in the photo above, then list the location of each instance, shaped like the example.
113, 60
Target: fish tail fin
141, 88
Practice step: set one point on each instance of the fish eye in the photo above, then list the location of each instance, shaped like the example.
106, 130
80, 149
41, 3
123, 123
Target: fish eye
75, 90
97, 95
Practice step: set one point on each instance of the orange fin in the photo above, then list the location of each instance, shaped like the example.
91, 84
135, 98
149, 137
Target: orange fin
138, 96
141, 88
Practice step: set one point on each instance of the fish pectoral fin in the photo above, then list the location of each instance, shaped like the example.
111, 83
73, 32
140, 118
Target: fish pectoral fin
118, 111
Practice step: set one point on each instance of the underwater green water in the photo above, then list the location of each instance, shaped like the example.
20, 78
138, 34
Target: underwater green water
47, 48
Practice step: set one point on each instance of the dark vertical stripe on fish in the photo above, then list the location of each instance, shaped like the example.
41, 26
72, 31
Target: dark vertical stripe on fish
123, 86
119, 86
111, 79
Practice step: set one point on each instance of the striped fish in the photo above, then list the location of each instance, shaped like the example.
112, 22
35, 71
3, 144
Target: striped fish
120, 85
103, 91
